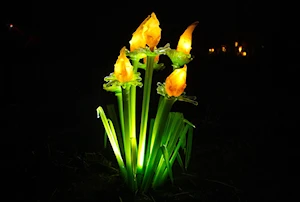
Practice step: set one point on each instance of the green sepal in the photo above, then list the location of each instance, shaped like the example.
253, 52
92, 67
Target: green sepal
113, 85
179, 58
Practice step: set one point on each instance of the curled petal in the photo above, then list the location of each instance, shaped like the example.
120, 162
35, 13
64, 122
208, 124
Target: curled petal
189, 99
148, 33
176, 82
123, 68
185, 41
152, 31
138, 41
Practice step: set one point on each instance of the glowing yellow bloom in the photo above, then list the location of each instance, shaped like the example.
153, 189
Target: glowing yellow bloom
137, 40
148, 33
185, 41
176, 82
123, 68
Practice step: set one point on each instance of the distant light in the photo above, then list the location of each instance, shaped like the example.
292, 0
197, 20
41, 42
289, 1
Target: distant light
11, 25
223, 48
211, 50
236, 44
244, 53
240, 49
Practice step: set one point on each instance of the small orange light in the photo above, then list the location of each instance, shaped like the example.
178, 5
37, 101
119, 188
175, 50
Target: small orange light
244, 53
223, 48
240, 49
236, 44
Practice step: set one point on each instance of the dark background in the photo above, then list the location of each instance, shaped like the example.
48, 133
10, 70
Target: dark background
57, 55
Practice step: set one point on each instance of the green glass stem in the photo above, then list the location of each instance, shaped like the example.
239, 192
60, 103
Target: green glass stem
172, 159
164, 108
145, 111
127, 142
133, 119
121, 114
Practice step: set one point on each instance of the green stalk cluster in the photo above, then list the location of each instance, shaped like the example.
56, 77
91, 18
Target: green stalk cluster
147, 162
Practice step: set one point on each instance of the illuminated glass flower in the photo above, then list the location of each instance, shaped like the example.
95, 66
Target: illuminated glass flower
174, 86
123, 68
181, 55
123, 74
185, 41
176, 82
148, 33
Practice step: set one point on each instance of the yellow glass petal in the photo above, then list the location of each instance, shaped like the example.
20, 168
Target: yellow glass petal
176, 82
148, 33
123, 68
185, 41
152, 31
138, 40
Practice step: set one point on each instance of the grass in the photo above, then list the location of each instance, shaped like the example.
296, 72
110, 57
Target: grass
91, 176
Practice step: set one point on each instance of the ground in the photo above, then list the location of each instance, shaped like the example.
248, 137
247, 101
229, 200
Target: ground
55, 175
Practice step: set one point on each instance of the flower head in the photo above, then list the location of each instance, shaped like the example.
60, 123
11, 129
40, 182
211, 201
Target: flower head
176, 82
148, 33
123, 68
185, 41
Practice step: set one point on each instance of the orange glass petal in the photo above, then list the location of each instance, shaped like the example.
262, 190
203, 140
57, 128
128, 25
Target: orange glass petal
148, 33
185, 41
123, 68
152, 31
176, 82
138, 40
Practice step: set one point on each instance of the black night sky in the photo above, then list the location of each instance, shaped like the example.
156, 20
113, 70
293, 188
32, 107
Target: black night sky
57, 55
